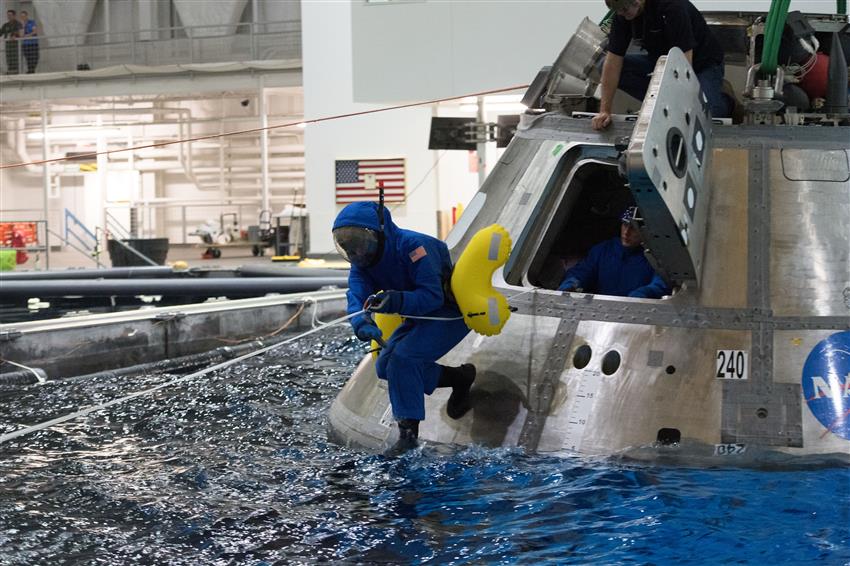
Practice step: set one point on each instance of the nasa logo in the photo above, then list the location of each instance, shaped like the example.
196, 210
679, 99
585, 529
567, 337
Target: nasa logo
826, 383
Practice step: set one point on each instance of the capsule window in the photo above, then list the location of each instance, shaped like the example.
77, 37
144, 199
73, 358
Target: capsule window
581, 209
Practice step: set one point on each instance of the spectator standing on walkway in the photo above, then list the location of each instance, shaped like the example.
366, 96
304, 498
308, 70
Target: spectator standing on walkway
29, 46
11, 31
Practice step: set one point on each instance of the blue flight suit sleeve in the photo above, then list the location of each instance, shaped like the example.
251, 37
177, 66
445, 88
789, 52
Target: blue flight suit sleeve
426, 271
655, 289
360, 287
585, 273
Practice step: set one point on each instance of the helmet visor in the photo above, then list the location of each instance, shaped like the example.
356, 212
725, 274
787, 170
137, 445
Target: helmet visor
359, 246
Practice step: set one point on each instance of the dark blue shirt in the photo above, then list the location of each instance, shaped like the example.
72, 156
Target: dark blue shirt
611, 269
28, 27
665, 24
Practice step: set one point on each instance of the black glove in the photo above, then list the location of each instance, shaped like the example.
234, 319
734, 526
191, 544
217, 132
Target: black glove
368, 331
386, 302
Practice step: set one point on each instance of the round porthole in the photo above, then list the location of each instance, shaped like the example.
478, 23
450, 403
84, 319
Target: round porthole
582, 356
611, 362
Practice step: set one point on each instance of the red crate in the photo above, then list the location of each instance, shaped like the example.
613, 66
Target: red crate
27, 230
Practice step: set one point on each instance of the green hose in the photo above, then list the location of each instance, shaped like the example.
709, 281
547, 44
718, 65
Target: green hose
841, 7
605, 24
773, 36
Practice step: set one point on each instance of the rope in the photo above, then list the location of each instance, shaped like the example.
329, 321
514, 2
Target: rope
88, 410
257, 130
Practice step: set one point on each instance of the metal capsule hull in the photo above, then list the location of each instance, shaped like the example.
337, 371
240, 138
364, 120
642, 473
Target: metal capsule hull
762, 259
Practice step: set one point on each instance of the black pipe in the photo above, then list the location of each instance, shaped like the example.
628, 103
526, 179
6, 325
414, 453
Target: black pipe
270, 271
108, 273
250, 287
20, 377
179, 364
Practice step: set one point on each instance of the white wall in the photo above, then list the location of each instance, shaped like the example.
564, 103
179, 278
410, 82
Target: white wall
327, 91
422, 50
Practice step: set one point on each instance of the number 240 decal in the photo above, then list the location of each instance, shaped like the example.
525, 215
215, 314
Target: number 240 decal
731, 364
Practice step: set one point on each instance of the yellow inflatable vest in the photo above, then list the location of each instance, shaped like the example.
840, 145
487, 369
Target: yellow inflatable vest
387, 323
484, 309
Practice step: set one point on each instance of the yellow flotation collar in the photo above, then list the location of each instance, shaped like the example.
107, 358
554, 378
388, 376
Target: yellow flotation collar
484, 309
387, 323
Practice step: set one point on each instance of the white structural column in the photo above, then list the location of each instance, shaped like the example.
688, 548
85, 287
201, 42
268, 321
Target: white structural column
102, 173
44, 173
481, 150
264, 143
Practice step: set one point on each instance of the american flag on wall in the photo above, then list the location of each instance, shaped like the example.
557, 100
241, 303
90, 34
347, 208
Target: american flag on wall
358, 180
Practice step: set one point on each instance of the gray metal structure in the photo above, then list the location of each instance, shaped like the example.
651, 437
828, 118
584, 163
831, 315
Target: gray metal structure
749, 222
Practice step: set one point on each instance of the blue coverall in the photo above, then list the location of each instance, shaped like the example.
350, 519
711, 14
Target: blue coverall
612, 269
418, 265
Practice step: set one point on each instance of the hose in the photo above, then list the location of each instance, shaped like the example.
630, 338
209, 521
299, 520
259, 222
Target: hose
841, 7
605, 23
772, 36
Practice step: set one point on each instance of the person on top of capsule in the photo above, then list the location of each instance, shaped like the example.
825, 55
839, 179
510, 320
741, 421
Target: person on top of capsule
617, 266
404, 272
659, 25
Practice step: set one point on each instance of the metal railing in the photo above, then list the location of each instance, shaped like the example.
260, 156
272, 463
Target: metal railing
185, 215
247, 41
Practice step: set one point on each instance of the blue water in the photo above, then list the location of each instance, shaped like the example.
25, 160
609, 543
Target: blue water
236, 468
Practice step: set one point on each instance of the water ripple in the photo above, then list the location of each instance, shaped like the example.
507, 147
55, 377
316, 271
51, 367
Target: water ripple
235, 467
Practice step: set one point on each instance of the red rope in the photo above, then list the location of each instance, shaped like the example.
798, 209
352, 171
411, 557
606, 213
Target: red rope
254, 130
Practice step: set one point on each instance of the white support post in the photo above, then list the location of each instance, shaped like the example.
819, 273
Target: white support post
264, 144
481, 148
102, 164
45, 174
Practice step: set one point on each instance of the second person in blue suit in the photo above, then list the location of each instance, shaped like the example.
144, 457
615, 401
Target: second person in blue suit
617, 266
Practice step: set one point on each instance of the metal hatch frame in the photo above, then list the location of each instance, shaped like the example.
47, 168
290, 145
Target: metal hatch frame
667, 162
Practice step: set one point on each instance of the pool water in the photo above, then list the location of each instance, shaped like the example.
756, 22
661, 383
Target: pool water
235, 468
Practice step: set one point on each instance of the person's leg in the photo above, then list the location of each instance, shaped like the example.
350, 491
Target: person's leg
31, 57
634, 78
460, 379
409, 361
27, 58
711, 81
11, 58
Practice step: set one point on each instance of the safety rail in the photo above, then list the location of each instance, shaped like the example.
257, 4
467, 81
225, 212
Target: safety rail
146, 211
245, 41
114, 227
80, 232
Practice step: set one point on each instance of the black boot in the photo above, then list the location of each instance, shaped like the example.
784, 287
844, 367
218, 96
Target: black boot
408, 432
460, 380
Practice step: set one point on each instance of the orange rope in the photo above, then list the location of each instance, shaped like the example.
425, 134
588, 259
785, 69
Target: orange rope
256, 130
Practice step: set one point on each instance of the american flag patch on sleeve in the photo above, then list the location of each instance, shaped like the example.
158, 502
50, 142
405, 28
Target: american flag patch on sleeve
417, 254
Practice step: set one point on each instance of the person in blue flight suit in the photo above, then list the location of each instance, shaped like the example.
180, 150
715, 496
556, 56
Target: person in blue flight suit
405, 272
617, 266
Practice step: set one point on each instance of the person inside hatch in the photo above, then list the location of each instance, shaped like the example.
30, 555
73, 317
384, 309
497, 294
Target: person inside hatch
617, 266
404, 272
